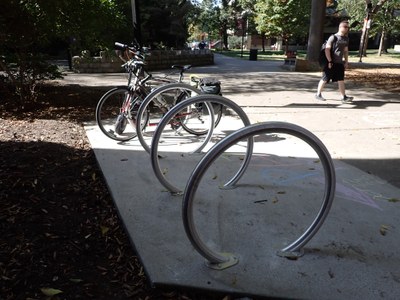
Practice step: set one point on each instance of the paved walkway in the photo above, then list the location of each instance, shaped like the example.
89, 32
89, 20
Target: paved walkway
353, 256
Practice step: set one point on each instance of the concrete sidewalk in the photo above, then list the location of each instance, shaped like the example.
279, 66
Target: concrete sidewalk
354, 255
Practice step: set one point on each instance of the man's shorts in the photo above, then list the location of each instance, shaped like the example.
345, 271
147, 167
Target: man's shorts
336, 73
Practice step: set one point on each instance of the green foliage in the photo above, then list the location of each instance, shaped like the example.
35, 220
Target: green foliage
29, 27
284, 18
165, 22
248, 6
235, 42
26, 73
356, 11
384, 22
385, 19
206, 20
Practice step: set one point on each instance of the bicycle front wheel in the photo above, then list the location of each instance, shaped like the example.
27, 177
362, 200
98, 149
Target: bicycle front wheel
116, 113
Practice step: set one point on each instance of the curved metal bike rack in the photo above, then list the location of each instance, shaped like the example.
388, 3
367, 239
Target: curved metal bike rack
208, 99
217, 260
150, 97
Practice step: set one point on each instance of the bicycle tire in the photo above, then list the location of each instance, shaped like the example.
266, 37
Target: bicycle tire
200, 114
148, 105
115, 121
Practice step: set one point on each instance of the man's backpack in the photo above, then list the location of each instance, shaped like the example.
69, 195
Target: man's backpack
322, 60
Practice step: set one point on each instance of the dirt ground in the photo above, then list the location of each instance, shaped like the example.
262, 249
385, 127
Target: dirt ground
61, 237
387, 79
60, 232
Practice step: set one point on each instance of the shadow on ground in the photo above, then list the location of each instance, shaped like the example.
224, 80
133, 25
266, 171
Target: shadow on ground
386, 169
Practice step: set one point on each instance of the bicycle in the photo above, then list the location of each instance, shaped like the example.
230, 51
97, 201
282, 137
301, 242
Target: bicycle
194, 119
116, 111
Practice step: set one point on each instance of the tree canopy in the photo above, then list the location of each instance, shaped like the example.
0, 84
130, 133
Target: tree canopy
165, 23
278, 18
31, 28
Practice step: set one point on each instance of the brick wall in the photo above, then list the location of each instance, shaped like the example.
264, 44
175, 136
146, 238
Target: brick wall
157, 60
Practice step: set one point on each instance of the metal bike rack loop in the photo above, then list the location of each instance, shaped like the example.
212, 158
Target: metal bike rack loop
217, 260
150, 97
208, 99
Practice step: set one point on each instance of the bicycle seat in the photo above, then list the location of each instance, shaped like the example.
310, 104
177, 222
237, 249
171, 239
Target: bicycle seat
182, 68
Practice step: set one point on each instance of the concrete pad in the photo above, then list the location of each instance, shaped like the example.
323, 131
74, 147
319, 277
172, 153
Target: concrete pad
353, 256
355, 253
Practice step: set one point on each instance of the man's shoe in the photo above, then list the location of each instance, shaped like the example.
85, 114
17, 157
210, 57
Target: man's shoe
319, 97
347, 99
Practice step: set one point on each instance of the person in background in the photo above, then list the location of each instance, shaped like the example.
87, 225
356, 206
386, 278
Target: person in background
202, 45
337, 54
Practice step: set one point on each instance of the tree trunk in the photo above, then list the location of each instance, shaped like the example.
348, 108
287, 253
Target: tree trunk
137, 32
263, 41
382, 42
366, 41
364, 36
225, 37
368, 19
225, 6
316, 33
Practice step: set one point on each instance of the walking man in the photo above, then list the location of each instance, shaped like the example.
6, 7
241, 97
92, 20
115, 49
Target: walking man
337, 54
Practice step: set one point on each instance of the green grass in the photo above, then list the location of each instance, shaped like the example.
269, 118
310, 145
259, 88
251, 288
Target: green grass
372, 55
267, 55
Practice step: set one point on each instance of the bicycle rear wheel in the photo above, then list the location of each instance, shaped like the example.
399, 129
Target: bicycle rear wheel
116, 113
195, 121
158, 102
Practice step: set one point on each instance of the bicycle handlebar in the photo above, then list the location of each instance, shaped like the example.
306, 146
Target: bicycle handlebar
124, 47
136, 50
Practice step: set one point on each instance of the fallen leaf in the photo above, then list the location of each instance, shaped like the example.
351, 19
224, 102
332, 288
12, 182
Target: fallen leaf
50, 292
383, 230
394, 200
101, 268
104, 229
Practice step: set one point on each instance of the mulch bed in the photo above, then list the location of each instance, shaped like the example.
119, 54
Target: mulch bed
382, 78
61, 237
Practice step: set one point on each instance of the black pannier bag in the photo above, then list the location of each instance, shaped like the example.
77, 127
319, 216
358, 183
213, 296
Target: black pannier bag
210, 85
